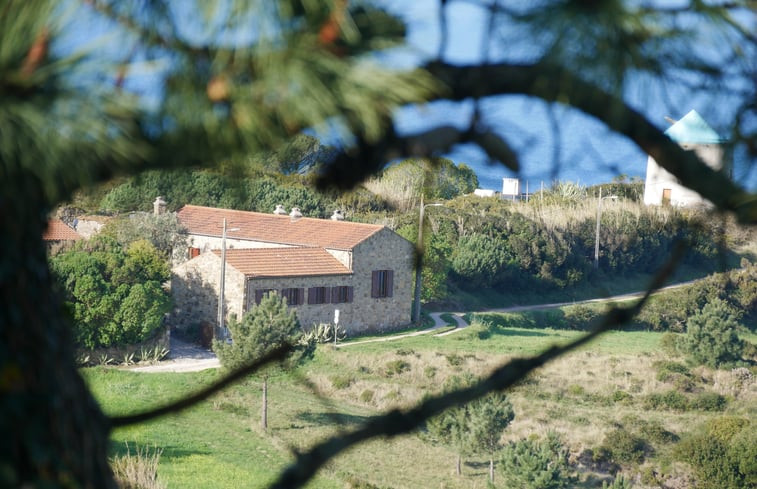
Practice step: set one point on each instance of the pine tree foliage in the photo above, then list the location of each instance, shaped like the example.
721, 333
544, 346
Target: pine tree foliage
712, 336
262, 329
536, 464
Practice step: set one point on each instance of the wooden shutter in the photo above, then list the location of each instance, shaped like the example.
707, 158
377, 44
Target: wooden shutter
259, 295
334, 294
349, 294
375, 283
326, 295
193, 252
389, 282
312, 291
300, 296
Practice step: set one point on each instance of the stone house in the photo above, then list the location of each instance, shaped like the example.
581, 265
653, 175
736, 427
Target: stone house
58, 234
319, 265
693, 134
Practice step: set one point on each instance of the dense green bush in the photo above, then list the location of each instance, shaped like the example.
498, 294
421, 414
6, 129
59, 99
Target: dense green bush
265, 327
671, 399
722, 453
711, 336
623, 447
115, 295
536, 464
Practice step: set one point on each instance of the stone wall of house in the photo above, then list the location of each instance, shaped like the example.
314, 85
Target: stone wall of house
307, 314
195, 287
385, 250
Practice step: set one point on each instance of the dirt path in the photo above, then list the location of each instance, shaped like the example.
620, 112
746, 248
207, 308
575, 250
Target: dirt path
183, 357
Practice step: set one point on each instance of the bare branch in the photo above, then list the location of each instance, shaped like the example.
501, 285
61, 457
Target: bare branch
275, 355
397, 422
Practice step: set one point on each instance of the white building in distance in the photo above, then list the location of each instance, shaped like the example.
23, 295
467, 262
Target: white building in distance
693, 134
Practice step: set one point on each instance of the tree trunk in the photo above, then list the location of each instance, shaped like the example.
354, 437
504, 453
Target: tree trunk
491, 470
264, 408
54, 433
459, 465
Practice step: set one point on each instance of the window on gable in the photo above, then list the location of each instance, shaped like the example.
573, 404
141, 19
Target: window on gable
319, 295
341, 293
382, 283
193, 252
294, 296
260, 293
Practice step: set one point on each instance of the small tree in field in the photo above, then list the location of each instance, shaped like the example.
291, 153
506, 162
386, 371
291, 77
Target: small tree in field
711, 336
487, 419
265, 327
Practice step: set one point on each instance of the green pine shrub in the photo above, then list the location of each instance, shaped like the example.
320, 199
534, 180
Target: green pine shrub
623, 447
536, 464
711, 336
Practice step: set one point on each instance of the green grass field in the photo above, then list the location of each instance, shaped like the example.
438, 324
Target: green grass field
220, 444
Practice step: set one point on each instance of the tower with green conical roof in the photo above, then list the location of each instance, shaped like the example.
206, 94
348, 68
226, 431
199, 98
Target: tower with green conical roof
693, 134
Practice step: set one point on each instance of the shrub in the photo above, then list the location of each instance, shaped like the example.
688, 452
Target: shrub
367, 396
666, 369
621, 396
341, 381
622, 447
722, 453
711, 336
536, 464
138, 470
396, 367
671, 399
708, 401
114, 294
265, 327
618, 482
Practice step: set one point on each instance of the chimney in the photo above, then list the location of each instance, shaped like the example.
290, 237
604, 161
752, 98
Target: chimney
295, 214
279, 210
337, 216
159, 206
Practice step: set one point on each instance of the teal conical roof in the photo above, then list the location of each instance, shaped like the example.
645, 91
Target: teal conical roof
693, 129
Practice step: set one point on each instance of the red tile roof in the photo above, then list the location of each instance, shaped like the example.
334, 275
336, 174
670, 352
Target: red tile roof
271, 228
284, 262
58, 230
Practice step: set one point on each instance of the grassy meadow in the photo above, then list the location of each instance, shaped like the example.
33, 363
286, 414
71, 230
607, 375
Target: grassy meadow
611, 383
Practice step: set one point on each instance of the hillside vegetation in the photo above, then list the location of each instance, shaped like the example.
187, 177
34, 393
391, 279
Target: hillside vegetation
479, 252
622, 406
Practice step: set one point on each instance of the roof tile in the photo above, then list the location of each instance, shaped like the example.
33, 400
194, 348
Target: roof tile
284, 262
58, 230
256, 226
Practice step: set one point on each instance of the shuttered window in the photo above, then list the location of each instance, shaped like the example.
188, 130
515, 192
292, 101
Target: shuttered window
382, 283
294, 296
319, 295
259, 293
194, 252
341, 293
